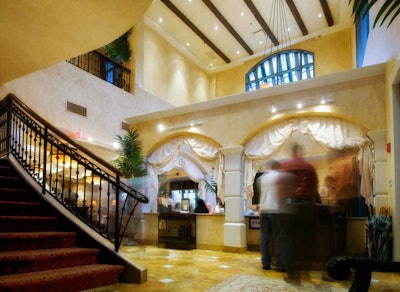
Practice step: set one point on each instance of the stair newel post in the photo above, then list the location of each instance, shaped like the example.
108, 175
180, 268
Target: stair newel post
44, 160
117, 218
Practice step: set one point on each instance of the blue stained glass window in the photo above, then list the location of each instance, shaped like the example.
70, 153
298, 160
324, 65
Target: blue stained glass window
279, 68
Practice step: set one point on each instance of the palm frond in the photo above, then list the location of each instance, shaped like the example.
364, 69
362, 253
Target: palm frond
362, 7
130, 162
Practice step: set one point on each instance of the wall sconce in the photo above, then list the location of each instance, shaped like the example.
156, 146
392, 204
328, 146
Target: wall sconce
192, 123
300, 105
114, 202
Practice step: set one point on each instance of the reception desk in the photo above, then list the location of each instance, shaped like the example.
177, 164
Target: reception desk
209, 230
336, 235
176, 230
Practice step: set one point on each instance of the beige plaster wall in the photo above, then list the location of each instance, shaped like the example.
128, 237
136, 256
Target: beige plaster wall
332, 53
234, 124
180, 82
170, 75
47, 91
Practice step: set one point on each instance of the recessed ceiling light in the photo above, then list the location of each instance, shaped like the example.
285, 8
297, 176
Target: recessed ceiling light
320, 15
237, 52
188, 44
260, 42
216, 27
242, 14
299, 105
160, 19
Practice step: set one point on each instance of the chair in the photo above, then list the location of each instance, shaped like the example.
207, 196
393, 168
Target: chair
339, 268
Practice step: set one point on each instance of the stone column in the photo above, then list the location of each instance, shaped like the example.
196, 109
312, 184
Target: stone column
234, 227
381, 182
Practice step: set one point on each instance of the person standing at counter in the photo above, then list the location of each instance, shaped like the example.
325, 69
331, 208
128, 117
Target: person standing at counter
298, 184
269, 208
201, 207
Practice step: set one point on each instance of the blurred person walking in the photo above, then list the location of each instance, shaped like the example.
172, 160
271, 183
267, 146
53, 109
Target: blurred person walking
299, 194
269, 208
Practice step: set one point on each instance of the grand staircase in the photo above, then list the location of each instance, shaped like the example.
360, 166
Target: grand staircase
35, 255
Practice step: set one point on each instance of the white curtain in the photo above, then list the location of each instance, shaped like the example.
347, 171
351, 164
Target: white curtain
166, 156
333, 133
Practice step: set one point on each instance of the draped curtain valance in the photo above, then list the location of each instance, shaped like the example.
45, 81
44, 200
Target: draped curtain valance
333, 133
191, 154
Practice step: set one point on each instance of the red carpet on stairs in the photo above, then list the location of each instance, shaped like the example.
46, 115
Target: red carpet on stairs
34, 255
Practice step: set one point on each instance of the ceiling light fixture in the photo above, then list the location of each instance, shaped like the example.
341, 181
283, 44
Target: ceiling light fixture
278, 24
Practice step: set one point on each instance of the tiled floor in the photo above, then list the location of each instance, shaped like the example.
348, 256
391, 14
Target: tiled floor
199, 270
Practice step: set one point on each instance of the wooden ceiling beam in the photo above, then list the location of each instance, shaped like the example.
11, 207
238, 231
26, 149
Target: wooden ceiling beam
327, 12
228, 26
197, 31
297, 17
262, 22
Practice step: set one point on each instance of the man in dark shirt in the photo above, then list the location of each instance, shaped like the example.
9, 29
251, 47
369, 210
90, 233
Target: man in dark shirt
307, 184
298, 222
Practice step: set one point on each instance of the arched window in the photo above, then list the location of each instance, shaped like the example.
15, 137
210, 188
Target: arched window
279, 68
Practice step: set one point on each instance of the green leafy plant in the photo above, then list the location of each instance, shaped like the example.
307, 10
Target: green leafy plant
210, 185
119, 50
131, 161
388, 7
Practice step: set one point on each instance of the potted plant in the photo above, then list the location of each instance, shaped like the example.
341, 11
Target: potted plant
132, 165
130, 161
119, 50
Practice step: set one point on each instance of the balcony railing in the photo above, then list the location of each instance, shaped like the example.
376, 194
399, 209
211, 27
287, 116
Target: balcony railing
104, 68
87, 186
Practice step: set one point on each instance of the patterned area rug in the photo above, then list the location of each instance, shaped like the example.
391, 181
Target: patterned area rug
242, 283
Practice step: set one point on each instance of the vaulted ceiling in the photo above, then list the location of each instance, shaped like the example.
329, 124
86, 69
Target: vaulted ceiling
217, 34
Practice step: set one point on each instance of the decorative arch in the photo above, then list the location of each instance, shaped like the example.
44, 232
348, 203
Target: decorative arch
196, 154
331, 132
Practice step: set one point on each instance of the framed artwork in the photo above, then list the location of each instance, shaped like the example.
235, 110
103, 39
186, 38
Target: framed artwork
254, 222
185, 205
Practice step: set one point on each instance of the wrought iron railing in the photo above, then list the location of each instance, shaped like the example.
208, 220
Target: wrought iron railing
84, 184
104, 68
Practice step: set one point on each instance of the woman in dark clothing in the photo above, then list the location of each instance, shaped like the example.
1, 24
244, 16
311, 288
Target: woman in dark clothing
201, 207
